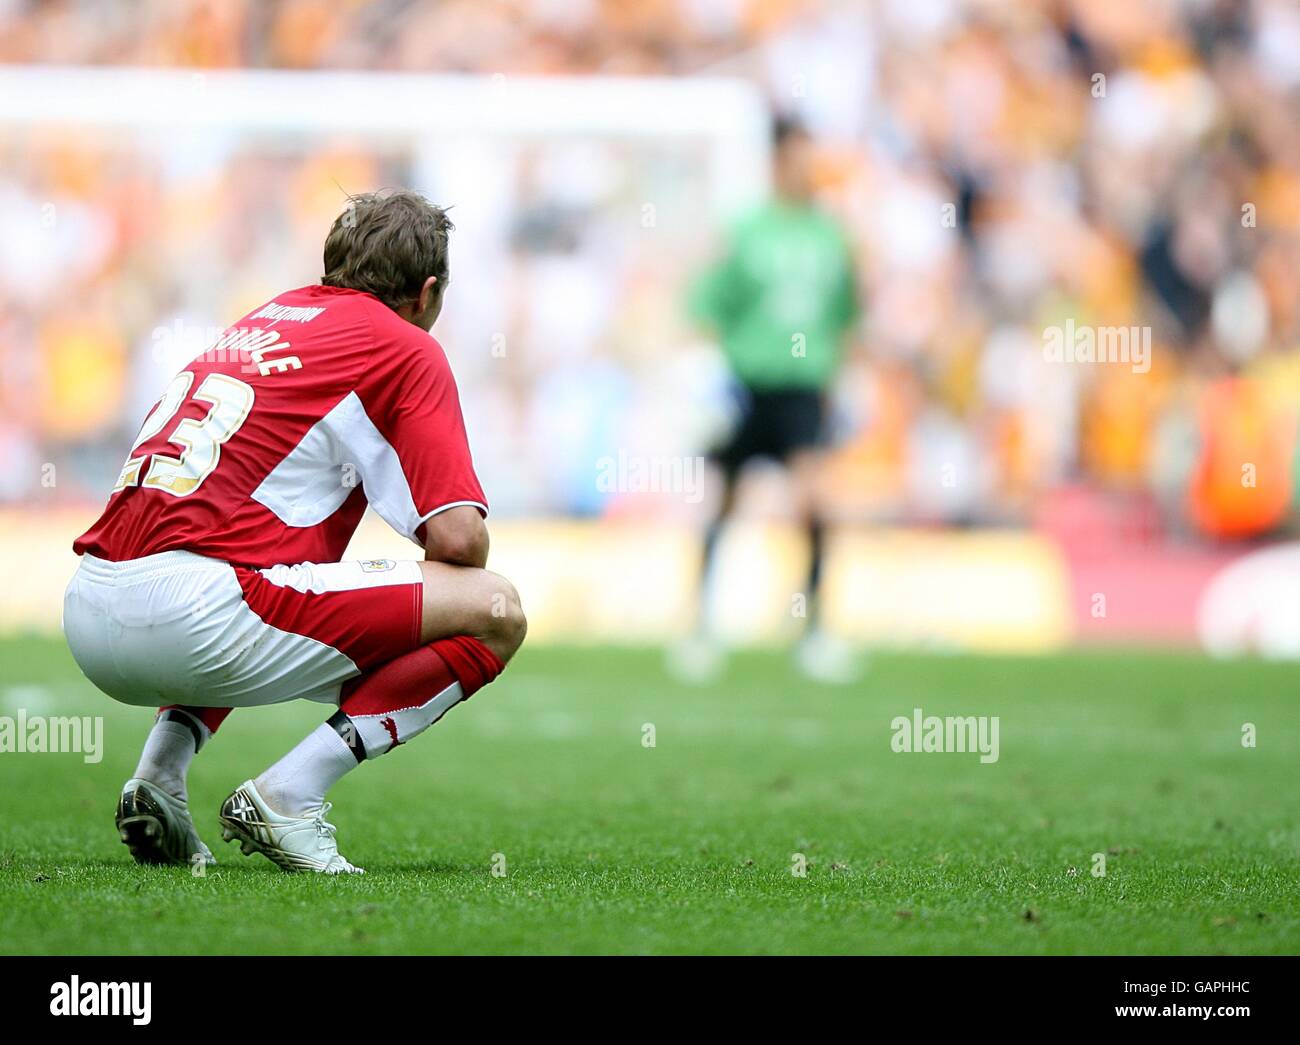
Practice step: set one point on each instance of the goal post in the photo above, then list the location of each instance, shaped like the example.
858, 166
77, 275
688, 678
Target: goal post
728, 116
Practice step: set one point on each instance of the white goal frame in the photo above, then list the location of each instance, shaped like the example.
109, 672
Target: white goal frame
728, 116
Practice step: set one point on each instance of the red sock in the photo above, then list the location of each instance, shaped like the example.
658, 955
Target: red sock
397, 700
472, 662
210, 717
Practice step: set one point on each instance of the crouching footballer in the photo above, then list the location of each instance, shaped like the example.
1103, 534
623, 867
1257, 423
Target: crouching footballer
212, 580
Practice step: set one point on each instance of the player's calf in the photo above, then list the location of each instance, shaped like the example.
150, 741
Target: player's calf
401, 699
472, 624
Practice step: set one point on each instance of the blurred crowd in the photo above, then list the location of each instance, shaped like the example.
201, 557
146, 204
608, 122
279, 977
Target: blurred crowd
1001, 168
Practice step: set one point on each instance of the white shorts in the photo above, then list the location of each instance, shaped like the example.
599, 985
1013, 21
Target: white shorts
179, 628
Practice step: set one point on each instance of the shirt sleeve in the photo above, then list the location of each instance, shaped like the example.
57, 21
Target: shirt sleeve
421, 463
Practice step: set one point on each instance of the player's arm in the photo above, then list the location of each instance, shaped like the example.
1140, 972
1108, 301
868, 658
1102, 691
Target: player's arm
423, 483
458, 536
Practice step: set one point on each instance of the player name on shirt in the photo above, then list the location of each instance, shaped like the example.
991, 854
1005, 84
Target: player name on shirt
256, 342
250, 346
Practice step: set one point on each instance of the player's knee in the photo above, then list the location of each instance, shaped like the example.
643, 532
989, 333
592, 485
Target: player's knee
506, 624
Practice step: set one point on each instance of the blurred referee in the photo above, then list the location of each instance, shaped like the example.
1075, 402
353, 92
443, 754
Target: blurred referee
782, 300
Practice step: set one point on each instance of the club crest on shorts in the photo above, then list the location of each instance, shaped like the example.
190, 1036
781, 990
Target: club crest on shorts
376, 565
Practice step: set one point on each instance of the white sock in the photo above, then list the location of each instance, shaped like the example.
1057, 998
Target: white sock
296, 785
169, 749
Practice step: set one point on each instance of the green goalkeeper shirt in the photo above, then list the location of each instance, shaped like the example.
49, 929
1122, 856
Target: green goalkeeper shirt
782, 298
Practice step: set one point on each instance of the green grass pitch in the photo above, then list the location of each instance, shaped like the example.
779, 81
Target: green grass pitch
688, 846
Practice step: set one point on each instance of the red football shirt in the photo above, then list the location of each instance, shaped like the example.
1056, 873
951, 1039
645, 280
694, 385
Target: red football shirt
267, 448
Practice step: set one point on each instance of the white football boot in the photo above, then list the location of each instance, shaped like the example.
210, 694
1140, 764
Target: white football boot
696, 660
293, 843
821, 657
157, 827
